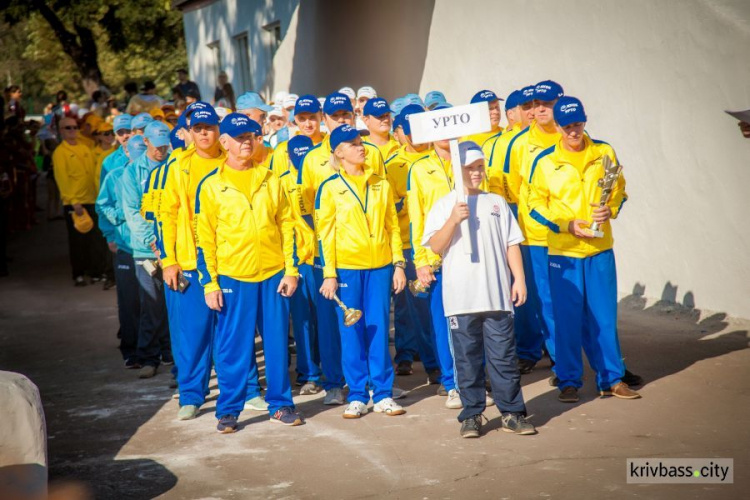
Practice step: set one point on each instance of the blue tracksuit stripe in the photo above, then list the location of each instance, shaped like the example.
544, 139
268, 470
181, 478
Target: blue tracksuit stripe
506, 165
329, 340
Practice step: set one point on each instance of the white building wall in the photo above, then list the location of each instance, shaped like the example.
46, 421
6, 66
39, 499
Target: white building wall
655, 77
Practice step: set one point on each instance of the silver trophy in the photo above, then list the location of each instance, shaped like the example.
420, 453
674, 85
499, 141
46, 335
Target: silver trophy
607, 183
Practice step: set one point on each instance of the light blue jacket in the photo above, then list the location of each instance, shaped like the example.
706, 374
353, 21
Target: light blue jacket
114, 160
111, 216
131, 187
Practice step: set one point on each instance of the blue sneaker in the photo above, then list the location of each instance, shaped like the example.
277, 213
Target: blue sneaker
227, 424
287, 416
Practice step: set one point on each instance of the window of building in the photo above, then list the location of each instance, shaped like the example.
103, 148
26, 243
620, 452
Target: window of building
244, 74
273, 36
216, 63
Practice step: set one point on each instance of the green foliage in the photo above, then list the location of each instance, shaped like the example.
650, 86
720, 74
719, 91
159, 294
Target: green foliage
136, 40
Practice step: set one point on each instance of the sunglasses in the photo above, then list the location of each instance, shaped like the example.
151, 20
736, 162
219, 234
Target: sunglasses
108, 133
71, 127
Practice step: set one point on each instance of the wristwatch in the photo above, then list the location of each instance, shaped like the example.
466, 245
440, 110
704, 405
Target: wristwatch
400, 264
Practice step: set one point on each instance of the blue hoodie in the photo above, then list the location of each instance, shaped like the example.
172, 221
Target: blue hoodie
131, 188
111, 216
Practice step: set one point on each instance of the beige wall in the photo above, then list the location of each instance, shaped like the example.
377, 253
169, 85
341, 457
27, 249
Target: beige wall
655, 77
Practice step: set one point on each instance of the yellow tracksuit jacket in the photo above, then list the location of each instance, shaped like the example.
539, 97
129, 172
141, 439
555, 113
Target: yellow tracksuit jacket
177, 204
397, 173
280, 163
75, 172
563, 184
304, 236
522, 151
247, 239
495, 150
430, 178
355, 232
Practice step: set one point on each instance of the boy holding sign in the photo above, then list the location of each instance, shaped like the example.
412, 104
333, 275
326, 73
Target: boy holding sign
480, 310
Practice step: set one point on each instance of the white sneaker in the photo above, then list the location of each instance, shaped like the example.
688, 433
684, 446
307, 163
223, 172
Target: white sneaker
397, 393
355, 409
489, 401
454, 400
389, 407
333, 397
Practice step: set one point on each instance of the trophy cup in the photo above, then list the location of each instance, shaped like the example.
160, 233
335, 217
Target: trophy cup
351, 316
415, 286
607, 183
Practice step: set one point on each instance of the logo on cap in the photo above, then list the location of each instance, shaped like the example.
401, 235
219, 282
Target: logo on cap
337, 100
378, 104
486, 94
569, 108
239, 121
528, 92
299, 150
305, 102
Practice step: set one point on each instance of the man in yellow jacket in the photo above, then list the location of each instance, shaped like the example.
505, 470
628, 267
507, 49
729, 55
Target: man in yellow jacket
493, 101
534, 321
179, 256
245, 243
75, 174
411, 315
314, 171
307, 117
376, 114
565, 199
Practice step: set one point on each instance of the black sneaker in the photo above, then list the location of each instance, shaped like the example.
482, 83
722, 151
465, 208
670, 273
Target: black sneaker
517, 424
568, 395
404, 368
471, 427
525, 366
433, 376
132, 364
631, 379
167, 359
553, 381
227, 424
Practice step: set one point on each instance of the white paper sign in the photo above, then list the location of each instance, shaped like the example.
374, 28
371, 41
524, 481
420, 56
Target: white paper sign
743, 116
450, 123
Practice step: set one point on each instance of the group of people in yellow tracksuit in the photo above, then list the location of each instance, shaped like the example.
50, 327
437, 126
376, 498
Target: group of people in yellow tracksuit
349, 212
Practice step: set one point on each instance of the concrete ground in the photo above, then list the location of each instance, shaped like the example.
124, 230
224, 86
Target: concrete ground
120, 434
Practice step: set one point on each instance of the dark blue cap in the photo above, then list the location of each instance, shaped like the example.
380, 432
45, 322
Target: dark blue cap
175, 141
548, 91
297, 147
569, 110
512, 100
343, 133
403, 117
527, 95
182, 120
307, 104
197, 105
485, 96
376, 106
236, 124
337, 102
206, 116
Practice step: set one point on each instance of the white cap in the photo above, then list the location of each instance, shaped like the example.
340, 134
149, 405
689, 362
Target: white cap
367, 91
276, 111
279, 97
222, 111
290, 100
348, 92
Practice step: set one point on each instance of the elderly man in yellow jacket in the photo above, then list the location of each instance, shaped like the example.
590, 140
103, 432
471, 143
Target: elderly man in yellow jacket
564, 198
245, 258
75, 174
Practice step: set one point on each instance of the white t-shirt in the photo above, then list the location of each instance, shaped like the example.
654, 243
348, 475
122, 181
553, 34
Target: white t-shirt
480, 281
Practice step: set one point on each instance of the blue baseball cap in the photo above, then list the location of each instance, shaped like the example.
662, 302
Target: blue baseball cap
337, 102
569, 110
182, 120
377, 106
175, 141
343, 133
433, 98
197, 105
252, 100
136, 147
527, 95
157, 134
548, 91
397, 105
206, 116
512, 100
297, 147
403, 117
413, 99
122, 122
485, 96
469, 152
140, 121
257, 129
444, 105
307, 104
236, 124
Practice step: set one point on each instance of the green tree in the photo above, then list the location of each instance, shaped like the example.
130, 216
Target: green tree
107, 42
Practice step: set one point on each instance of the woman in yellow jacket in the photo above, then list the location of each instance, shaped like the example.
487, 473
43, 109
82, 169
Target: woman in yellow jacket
360, 244
244, 240
564, 197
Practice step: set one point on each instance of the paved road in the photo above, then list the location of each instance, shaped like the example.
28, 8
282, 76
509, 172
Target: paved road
120, 434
